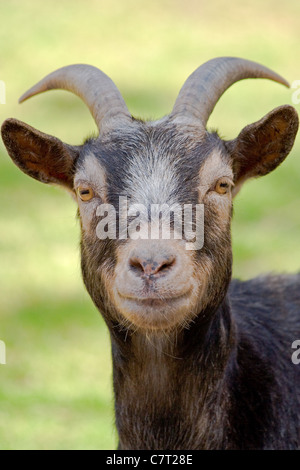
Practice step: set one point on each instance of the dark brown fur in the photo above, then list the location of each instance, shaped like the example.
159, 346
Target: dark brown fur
223, 378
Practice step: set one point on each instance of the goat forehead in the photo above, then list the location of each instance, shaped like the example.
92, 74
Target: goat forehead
152, 166
154, 179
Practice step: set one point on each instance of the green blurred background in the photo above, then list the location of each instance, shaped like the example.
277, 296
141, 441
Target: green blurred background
55, 390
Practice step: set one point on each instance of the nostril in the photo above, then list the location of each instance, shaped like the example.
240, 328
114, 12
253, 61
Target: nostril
136, 265
167, 264
151, 267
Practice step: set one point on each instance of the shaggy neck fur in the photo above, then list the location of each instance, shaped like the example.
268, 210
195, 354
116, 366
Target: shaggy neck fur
165, 383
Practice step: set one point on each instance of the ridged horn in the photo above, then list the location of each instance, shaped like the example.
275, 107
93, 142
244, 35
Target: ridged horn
203, 88
94, 87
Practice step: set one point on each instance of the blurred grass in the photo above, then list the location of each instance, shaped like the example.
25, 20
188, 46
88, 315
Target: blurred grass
56, 388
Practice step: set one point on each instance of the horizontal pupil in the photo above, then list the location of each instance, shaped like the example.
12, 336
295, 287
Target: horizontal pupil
224, 185
85, 191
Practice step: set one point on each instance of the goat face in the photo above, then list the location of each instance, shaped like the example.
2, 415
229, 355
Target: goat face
145, 281
154, 283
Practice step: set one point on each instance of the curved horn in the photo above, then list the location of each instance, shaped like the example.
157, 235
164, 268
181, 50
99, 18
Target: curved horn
94, 87
203, 88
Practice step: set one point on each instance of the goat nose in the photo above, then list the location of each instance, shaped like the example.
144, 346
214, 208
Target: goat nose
151, 267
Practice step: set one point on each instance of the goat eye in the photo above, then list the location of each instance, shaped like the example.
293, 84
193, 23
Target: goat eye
85, 194
222, 186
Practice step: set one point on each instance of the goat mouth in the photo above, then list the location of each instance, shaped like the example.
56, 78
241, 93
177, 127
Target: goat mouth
155, 301
150, 312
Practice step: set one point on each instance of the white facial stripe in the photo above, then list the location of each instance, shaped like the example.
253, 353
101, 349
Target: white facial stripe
212, 169
93, 174
92, 171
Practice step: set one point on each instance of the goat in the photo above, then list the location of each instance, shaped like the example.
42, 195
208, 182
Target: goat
200, 361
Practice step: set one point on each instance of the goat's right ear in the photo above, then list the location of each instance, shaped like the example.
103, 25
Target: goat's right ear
39, 155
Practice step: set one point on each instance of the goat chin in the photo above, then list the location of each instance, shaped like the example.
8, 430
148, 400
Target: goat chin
157, 313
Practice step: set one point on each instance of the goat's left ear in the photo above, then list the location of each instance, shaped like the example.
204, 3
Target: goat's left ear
262, 146
39, 155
